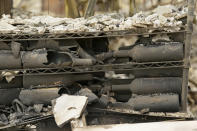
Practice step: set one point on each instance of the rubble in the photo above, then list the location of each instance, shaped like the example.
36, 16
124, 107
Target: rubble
7, 28
68, 107
108, 22
82, 81
88, 93
44, 20
3, 120
104, 100
9, 80
9, 75
78, 123
118, 42
106, 89
38, 107
161, 37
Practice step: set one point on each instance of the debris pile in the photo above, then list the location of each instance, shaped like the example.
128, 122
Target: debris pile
92, 81
168, 21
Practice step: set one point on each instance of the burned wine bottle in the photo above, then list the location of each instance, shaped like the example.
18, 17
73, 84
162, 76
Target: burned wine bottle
11, 62
144, 86
42, 58
151, 53
156, 103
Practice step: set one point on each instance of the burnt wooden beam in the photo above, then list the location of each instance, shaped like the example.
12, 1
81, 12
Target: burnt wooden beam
189, 30
5, 7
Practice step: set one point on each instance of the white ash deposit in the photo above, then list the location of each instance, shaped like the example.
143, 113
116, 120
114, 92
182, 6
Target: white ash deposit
168, 20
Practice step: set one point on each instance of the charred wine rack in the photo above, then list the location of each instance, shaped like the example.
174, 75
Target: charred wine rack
178, 66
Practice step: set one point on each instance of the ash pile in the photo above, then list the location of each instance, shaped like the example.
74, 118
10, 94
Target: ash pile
170, 18
93, 81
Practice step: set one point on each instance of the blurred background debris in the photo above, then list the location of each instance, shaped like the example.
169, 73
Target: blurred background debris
63, 8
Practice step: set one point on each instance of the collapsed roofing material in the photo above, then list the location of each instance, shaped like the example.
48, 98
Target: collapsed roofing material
6, 28
108, 22
68, 107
